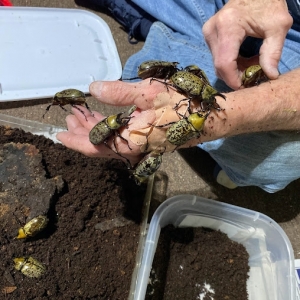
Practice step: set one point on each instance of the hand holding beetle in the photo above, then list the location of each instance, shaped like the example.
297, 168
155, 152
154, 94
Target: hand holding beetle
115, 93
227, 29
240, 113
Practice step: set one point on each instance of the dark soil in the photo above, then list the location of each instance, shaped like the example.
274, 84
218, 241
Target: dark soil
198, 263
89, 246
94, 210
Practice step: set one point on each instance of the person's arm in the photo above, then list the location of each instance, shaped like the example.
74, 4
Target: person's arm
238, 19
272, 105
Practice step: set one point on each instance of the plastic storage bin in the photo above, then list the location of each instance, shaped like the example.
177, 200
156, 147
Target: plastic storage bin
46, 50
271, 258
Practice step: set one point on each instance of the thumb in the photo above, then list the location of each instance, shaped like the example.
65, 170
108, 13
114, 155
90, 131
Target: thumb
269, 56
120, 93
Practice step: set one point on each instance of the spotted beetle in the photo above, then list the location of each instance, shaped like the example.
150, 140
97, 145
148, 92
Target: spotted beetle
29, 266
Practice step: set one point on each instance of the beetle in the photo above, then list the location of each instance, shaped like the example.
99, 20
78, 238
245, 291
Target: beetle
147, 166
33, 227
253, 75
194, 69
185, 129
69, 96
104, 129
29, 266
108, 126
156, 68
197, 88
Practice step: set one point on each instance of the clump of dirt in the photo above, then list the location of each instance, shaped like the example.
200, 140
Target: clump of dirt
94, 210
198, 263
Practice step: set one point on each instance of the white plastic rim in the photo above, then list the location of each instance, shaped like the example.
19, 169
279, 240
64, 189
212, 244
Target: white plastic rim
46, 50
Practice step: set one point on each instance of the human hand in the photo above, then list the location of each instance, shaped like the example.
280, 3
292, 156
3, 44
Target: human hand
115, 93
238, 19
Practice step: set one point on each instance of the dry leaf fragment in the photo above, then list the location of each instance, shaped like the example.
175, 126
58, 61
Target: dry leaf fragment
8, 289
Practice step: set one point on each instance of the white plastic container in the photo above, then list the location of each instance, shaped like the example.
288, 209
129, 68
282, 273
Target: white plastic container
46, 50
271, 257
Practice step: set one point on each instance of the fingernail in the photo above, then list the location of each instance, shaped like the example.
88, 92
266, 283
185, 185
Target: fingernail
96, 88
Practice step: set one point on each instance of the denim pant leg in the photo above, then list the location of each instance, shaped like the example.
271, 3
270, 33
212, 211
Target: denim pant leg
268, 160
186, 17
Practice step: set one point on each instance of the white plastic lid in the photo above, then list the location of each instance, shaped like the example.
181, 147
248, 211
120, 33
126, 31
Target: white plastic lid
46, 50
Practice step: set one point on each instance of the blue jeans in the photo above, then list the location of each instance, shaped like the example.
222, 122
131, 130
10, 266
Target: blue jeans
269, 160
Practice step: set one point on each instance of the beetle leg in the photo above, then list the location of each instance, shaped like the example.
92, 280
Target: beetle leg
176, 107
75, 106
221, 95
163, 82
117, 133
62, 107
86, 105
47, 109
127, 162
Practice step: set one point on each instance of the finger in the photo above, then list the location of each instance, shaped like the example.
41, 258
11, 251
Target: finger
81, 143
224, 46
74, 126
85, 119
226, 55
72, 122
210, 33
270, 53
271, 49
121, 93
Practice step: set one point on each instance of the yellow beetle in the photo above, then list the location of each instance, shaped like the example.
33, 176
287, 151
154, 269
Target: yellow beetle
29, 266
33, 227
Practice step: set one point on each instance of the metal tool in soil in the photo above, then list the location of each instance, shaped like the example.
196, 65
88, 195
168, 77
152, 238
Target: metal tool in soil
69, 96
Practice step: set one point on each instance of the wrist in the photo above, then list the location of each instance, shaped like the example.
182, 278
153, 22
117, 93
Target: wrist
272, 105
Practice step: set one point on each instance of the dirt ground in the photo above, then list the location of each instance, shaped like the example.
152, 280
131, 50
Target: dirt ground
94, 209
89, 246
198, 263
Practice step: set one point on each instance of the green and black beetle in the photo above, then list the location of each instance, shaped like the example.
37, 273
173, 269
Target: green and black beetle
195, 88
253, 75
109, 126
194, 69
156, 69
69, 96
185, 129
147, 166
